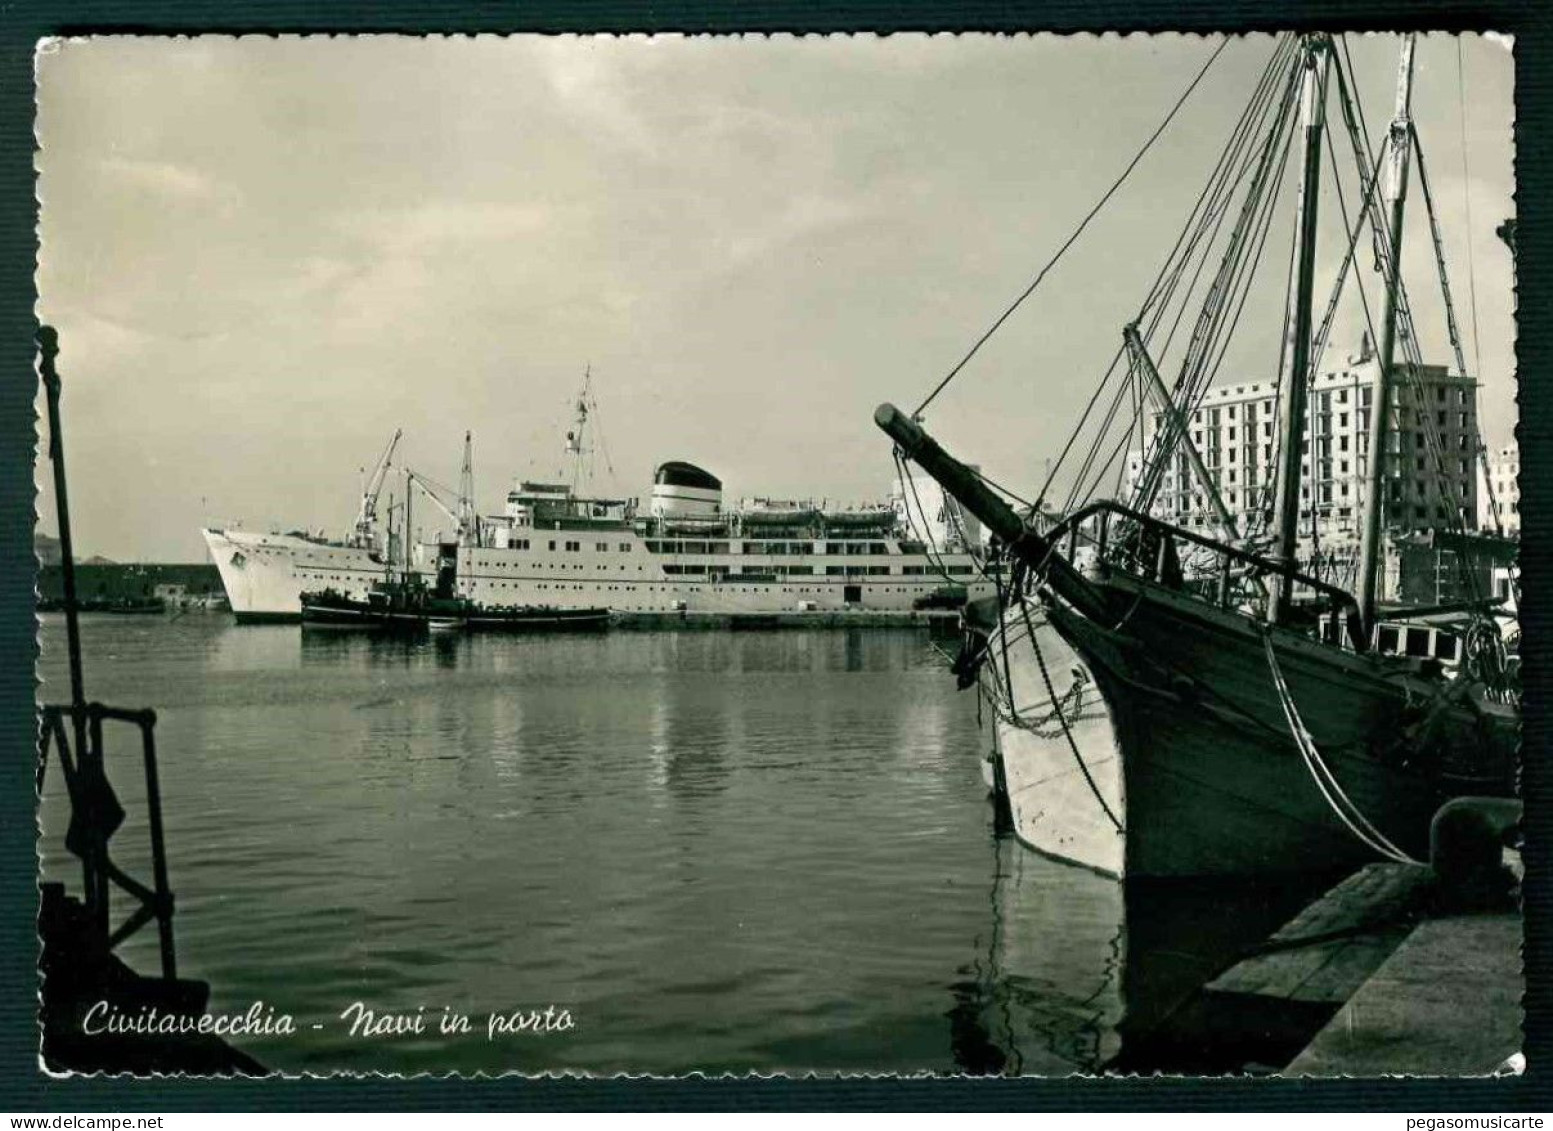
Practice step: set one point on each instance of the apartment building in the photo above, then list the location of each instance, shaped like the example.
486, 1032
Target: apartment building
1432, 440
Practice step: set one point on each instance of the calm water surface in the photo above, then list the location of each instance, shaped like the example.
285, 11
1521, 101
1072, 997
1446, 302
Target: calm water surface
748, 851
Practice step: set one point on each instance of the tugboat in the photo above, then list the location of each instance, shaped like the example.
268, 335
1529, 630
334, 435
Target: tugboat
402, 603
392, 605
405, 603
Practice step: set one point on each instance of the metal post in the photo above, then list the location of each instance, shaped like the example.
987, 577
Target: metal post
48, 350
164, 897
91, 760
1399, 146
1317, 63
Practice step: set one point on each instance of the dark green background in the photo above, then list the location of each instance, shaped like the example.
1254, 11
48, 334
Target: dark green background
23, 1088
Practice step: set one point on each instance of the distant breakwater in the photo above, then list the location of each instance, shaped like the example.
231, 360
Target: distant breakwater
129, 581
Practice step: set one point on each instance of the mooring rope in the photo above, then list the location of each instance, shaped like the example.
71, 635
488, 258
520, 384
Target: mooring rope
1331, 792
1067, 731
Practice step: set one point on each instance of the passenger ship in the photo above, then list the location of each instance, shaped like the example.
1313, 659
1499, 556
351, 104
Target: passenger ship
689, 553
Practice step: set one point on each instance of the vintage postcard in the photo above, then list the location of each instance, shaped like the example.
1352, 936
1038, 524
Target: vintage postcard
957, 555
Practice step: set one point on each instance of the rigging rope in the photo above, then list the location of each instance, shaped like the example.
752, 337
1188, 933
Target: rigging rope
1237, 157
1072, 239
1346, 811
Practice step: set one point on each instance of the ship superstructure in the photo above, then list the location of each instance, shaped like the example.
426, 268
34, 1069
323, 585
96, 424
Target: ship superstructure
687, 550
692, 552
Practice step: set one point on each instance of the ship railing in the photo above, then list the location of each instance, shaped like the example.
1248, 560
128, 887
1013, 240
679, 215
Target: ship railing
1106, 536
95, 815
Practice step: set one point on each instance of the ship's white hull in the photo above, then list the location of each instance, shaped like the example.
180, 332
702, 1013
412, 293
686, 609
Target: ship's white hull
265, 575
1061, 804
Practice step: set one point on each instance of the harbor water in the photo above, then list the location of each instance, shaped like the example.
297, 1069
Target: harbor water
757, 851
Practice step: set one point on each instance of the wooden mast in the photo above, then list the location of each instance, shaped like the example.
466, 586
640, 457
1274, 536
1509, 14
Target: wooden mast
1316, 64
1399, 147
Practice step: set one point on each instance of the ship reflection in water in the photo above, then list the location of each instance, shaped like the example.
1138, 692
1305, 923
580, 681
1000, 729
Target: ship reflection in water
1081, 973
753, 851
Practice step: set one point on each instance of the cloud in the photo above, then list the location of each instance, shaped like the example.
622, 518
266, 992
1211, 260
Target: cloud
584, 75
423, 227
801, 218
163, 178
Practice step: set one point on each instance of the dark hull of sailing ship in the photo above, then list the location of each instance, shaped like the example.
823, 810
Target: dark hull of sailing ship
1237, 747
1215, 778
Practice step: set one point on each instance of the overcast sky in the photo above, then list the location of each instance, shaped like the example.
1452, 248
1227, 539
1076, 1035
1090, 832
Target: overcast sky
263, 256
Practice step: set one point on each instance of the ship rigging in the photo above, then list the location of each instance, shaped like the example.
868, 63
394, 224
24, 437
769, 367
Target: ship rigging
1240, 713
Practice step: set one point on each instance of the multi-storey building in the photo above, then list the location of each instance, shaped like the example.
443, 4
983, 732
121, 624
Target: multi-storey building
1432, 440
1504, 483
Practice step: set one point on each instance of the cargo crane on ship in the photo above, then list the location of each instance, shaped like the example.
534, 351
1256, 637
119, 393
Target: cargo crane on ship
364, 531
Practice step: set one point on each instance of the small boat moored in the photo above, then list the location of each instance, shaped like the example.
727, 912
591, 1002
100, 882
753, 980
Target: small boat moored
388, 606
535, 618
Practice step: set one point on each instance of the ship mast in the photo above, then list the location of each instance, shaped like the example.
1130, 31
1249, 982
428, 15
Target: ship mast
1316, 65
468, 523
1399, 146
409, 531
576, 439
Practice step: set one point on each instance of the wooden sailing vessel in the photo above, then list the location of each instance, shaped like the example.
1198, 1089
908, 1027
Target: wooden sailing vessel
1193, 720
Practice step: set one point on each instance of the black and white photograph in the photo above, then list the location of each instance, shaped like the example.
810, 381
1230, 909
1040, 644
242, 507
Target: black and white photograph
949, 555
